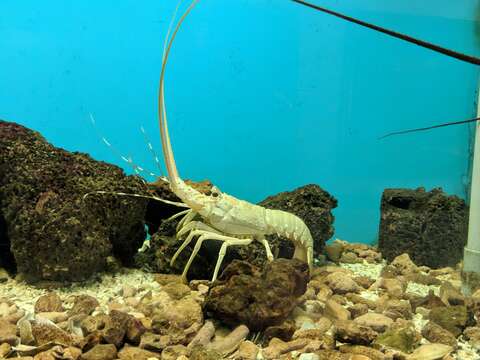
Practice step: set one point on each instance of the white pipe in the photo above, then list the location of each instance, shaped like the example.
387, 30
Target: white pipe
471, 257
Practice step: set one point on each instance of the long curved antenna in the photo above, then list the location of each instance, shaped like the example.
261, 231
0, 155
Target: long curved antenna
454, 54
166, 145
428, 128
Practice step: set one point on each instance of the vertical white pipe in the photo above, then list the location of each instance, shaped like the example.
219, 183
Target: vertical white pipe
471, 258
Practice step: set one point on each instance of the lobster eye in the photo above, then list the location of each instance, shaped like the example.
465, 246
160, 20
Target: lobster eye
214, 194
208, 193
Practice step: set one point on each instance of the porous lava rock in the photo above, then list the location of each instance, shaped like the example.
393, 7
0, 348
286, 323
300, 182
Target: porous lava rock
54, 232
431, 227
245, 295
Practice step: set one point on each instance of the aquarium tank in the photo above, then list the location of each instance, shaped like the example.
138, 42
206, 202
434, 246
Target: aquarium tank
243, 179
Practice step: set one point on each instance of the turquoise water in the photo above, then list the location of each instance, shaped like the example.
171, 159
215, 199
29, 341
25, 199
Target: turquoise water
263, 96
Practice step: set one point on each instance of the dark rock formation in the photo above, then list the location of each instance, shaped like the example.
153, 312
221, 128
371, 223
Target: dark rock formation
243, 295
54, 233
430, 226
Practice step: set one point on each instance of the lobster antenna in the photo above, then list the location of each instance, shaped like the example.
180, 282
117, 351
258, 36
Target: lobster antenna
166, 145
136, 168
428, 128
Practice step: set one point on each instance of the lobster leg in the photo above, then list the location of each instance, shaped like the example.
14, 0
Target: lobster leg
205, 235
195, 228
265, 243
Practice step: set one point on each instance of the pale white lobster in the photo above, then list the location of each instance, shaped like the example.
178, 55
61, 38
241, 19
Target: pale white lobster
223, 217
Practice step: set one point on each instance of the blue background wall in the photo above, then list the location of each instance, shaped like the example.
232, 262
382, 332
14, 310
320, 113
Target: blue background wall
263, 95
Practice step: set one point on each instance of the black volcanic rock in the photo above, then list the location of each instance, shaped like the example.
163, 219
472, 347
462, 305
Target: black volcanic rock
53, 232
431, 227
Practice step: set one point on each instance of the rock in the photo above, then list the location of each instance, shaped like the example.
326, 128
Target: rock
204, 335
334, 251
377, 322
395, 309
176, 290
430, 352
101, 352
452, 318
357, 310
247, 351
257, 301
8, 333
5, 349
430, 226
370, 353
334, 310
451, 295
42, 189
473, 335
83, 304
154, 342
436, 334
230, 343
284, 331
201, 353
403, 339
173, 352
180, 321
350, 258
50, 302
403, 265
341, 283
55, 317
44, 332
394, 287
277, 347
135, 353
348, 331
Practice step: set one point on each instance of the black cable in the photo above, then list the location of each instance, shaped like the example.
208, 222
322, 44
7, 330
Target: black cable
454, 54
429, 127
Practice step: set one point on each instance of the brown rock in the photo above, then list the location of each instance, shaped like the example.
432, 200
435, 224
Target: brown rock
452, 318
348, 331
176, 290
154, 342
403, 265
364, 281
247, 351
101, 352
394, 287
258, 301
451, 295
83, 304
135, 353
334, 310
369, 352
436, 334
173, 352
45, 332
8, 333
341, 283
357, 310
377, 322
334, 251
5, 349
50, 302
284, 331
